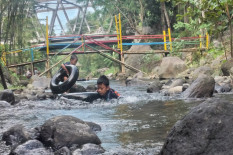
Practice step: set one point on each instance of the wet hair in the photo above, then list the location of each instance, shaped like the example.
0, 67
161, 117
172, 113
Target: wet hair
103, 80
74, 57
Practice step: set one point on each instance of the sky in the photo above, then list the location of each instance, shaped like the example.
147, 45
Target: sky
72, 13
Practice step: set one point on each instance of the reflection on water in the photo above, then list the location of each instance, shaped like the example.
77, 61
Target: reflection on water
136, 123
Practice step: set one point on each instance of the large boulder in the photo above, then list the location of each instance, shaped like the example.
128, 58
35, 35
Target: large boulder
203, 86
77, 88
89, 149
40, 82
30, 147
4, 104
154, 87
7, 95
177, 82
205, 130
171, 67
15, 135
202, 70
91, 88
226, 67
62, 131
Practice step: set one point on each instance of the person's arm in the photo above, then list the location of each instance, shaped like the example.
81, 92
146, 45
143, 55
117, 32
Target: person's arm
64, 67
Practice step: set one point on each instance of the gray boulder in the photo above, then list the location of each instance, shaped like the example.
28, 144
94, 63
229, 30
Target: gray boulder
7, 95
15, 135
203, 86
177, 82
205, 130
31, 147
226, 67
40, 82
63, 151
94, 127
171, 67
4, 104
91, 88
89, 149
154, 87
202, 70
62, 131
77, 88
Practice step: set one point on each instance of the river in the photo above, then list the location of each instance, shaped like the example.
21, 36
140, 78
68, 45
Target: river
137, 123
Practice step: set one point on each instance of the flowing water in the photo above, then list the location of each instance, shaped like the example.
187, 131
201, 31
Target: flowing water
137, 123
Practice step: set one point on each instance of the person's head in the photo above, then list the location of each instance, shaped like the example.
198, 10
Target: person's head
73, 59
102, 85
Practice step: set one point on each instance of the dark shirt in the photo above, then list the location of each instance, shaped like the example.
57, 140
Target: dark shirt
110, 94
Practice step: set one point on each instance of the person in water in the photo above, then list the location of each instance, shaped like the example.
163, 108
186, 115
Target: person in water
103, 91
73, 61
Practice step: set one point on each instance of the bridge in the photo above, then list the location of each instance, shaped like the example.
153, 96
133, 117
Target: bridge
92, 43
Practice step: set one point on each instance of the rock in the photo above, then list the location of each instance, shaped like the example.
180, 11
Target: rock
7, 95
223, 89
185, 86
91, 88
41, 96
226, 67
40, 82
17, 91
31, 147
15, 135
205, 130
50, 95
121, 76
4, 104
110, 75
175, 90
31, 97
171, 67
63, 151
62, 131
138, 75
23, 82
89, 149
177, 82
203, 86
102, 70
135, 82
77, 88
154, 87
94, 127
202, 70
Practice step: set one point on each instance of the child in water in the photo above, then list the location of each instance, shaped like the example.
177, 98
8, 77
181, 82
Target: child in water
104, 91
73, 61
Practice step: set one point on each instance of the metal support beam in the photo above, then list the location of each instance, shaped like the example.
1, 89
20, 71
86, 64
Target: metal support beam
67, 18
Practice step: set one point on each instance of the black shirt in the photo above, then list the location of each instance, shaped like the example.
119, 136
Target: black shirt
110, 94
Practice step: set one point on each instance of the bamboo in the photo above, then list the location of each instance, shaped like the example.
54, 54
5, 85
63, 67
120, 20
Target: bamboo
118, 42
200, 41
164, 38
170, 39
122, 55
207, 40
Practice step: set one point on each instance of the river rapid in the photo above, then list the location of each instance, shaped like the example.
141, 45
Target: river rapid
137, 123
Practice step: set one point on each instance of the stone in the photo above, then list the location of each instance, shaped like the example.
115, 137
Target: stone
203, 86
206, 130
77, 88
91, 88
62, 131
23, 83
136, 82
63, 151
226, 67
4, 104
41, 96
177, 82
94, 127
40, 82
175, 90
170, 67
7, 95
138, 75
31, 147
89, 149
154, 87
15, 135
202, 70
185, 86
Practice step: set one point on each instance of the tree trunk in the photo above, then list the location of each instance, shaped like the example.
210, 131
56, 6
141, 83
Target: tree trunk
2, 77
166, 15
162, 17
229, 20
